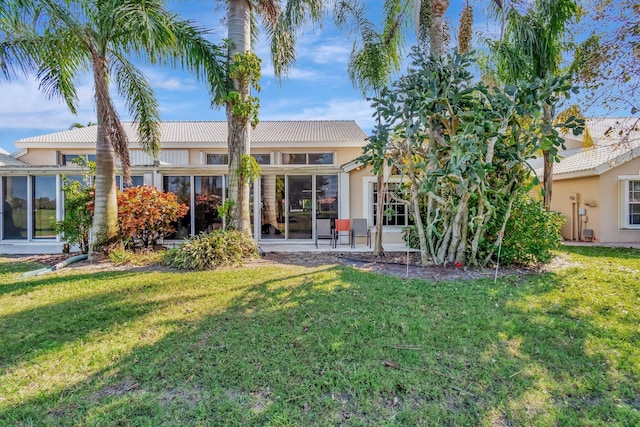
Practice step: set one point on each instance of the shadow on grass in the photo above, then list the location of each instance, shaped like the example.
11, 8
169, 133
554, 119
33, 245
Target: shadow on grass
341, 347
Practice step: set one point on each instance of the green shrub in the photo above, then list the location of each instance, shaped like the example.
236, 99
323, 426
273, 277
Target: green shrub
74, 228
210, 250
410, 234
532, 233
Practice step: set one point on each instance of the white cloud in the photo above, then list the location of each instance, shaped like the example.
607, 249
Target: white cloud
175, 81
24, 106
332, 109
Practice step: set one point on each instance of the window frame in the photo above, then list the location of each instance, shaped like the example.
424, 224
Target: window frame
625, 219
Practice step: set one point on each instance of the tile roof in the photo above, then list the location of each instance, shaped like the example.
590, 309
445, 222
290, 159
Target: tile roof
617, 141
190, 132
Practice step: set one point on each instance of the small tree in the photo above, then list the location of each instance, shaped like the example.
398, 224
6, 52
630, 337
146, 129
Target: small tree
78, 196
146, 214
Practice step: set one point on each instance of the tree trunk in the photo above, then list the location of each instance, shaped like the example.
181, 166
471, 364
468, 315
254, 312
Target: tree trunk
548, 179
238, 138
438, 9
378, 250
548, 165
104, 229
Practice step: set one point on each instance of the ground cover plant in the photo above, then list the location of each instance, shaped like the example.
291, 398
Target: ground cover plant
328, 345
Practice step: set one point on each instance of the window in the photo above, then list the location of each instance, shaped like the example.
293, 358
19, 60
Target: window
396, 213
66, 159
217, 159
136, 181
14, 207
633, 203
44, 203
262, 159
181, 186
307, 158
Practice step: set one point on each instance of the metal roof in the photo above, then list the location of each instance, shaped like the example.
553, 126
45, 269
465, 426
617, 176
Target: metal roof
207, 132
7, 160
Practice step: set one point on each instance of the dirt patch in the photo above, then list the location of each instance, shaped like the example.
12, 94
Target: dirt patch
393, 263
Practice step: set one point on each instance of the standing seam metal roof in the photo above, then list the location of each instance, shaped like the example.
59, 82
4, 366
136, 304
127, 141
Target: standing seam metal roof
216, 131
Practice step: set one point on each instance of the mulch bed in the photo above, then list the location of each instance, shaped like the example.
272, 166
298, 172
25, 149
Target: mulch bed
393, 263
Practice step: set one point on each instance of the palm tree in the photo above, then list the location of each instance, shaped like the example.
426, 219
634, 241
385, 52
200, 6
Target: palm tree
71, 37
371, 64
531, 48
281, 24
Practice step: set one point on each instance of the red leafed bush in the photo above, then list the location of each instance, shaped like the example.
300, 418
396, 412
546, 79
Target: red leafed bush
146, 214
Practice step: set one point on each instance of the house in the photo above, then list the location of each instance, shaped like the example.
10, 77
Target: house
308, 172
597, 188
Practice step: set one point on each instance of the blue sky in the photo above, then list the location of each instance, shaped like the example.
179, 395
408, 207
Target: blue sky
317, 87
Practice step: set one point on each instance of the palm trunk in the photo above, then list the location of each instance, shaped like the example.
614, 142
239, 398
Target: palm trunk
238, 139
438, 9
104, 229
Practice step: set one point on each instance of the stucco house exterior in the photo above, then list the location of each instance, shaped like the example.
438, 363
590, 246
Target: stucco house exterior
308, 172
597, 188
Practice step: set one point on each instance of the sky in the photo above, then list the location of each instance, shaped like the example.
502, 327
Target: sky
317, 87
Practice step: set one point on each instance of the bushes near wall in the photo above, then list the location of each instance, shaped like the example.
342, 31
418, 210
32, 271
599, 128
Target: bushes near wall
218, 248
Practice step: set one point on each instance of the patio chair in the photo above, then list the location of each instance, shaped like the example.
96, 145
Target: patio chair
324, 231
360, 228
342, 226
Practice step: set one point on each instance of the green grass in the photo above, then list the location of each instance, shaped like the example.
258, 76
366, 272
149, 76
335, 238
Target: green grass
290, 345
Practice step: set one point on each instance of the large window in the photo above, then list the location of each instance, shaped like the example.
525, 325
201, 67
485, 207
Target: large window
633, 203
208, 198
44, 206
181, 185
14, 207
396, 212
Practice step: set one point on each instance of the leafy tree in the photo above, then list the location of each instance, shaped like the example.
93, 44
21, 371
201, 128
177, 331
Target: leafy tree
61, 39
607, 63
531, 48
461, 148
78, 196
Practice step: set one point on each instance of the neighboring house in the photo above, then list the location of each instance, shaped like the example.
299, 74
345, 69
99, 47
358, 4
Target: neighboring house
307, 172
598, 188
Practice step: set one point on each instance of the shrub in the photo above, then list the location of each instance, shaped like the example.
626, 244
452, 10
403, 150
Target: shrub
146, 215
74, 228
532, 233
210, 250
410, 235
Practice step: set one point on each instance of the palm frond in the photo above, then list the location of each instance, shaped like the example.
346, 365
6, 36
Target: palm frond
143, 108
283, 34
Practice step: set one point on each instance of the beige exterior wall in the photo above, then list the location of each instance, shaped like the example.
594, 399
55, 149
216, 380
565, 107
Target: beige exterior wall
47, 156
586, 190
613, 201
603, 199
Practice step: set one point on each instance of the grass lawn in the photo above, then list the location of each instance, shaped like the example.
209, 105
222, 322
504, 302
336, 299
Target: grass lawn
329, 345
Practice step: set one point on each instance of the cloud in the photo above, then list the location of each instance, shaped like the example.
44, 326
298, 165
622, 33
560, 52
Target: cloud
176, 81
24, 106
333, 109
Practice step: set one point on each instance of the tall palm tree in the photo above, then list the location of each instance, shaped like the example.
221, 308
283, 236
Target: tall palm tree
281, 24
62, 39
531, 48
374, 57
